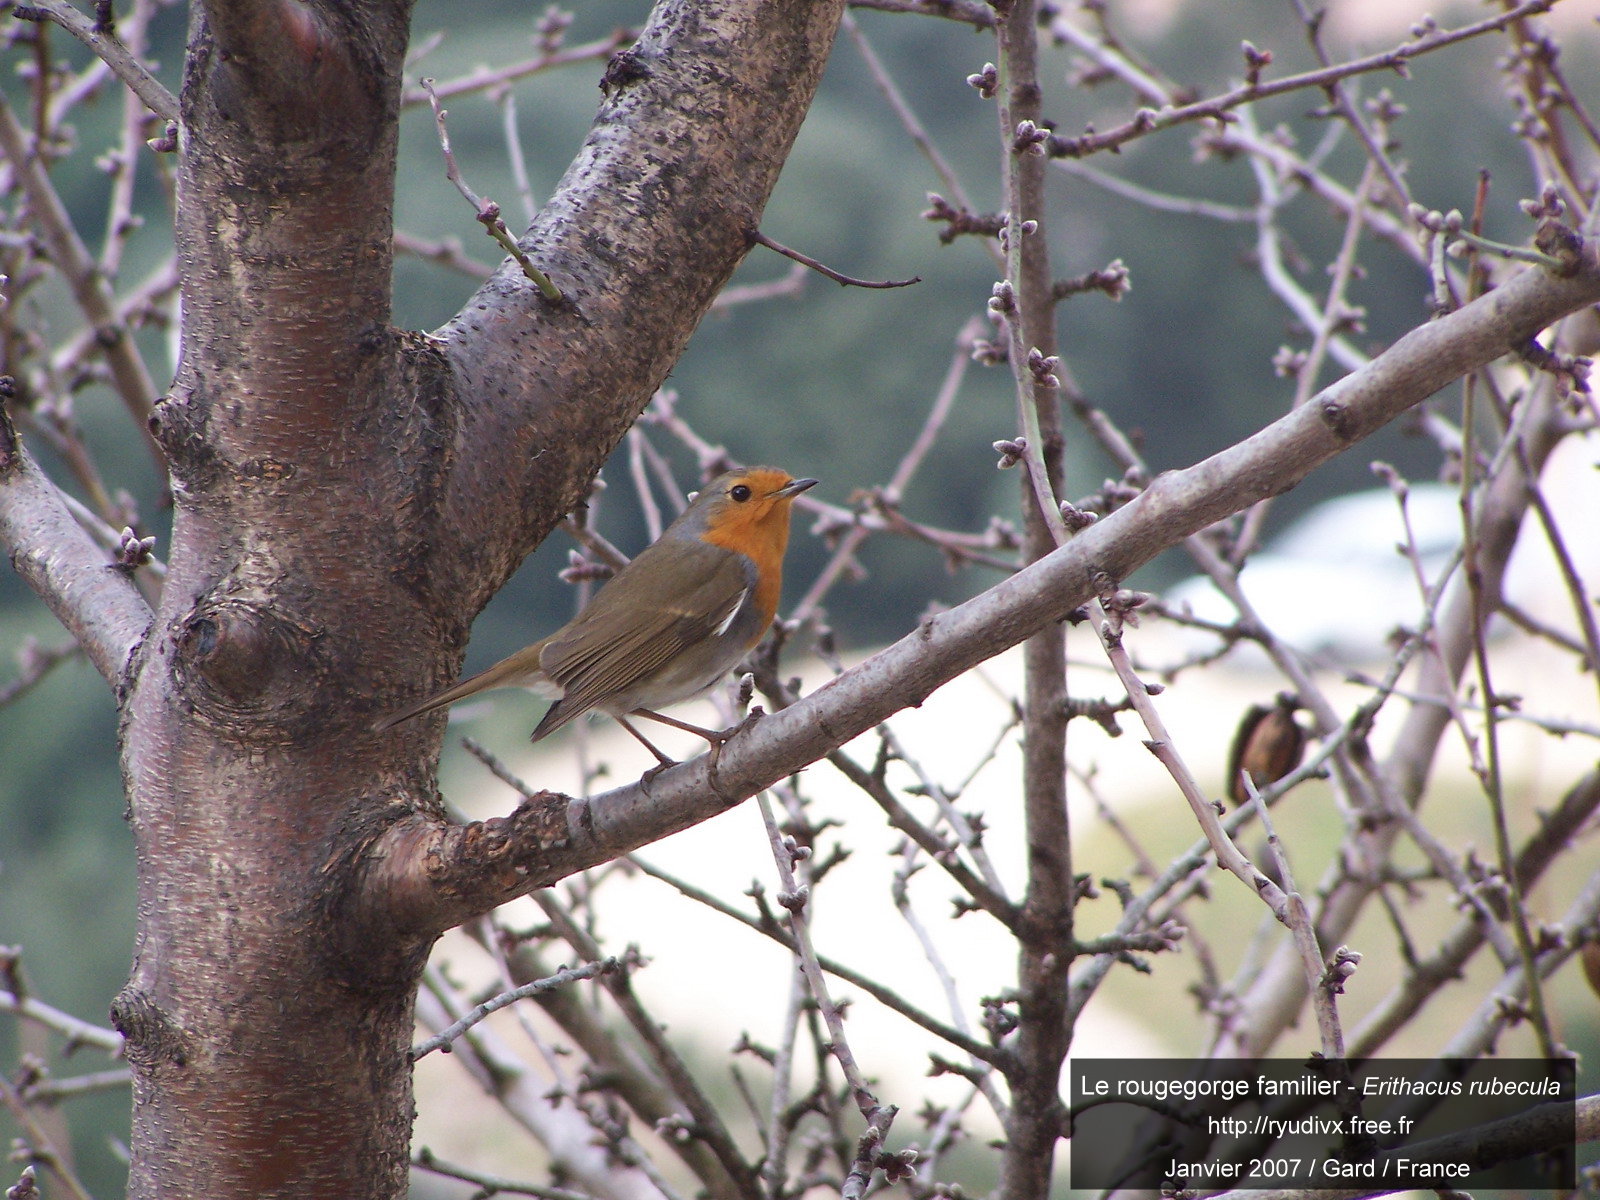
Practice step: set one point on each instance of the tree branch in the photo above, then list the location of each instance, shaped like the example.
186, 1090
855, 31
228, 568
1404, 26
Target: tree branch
1045, 929
132, 380
823, 269
96, 601
967, 12
110, 50
674, 137
1148, 120
433, 875
443, 1039
486, 79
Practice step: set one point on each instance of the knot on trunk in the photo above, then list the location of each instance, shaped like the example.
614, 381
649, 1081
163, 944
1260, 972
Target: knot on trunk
151, 1038
249, 668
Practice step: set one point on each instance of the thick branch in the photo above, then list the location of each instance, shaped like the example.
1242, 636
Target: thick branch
301, 71
96, 601
698, 118
1176, 505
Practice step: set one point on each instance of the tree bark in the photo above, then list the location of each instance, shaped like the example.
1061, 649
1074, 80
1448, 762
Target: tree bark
347, 498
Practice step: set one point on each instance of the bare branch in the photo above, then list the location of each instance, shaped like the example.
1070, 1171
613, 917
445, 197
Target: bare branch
96, 602
36, 662
446, 252
1218, 107
762, 239
484, 79
490, 1185
89, 289
445, 1037
968, 12
487, 211
40, 1146
76, 1032
788, 855
866, 983
109, 48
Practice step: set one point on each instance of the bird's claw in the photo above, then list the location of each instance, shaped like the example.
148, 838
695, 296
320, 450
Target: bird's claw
649, 776
723, 738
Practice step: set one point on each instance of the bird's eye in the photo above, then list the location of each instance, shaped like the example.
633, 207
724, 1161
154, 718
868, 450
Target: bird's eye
739, 492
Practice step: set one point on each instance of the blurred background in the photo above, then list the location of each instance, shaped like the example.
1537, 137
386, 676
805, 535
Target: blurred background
824, 381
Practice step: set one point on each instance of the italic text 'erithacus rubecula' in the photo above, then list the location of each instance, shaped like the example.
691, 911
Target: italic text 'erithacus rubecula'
669, 624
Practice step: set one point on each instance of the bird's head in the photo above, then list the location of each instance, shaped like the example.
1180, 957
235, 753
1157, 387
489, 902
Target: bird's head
746, 510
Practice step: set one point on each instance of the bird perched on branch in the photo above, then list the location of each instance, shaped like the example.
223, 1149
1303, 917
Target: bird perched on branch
669, 624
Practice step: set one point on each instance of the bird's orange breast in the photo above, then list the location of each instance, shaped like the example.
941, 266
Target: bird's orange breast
761, 533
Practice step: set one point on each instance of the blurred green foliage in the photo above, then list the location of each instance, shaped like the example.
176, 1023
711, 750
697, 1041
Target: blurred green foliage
832, 382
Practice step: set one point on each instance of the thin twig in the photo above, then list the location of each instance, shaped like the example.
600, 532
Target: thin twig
761, 239
37, 1144
790, 283
794, 898
444, 1039
486, 78
487, 211
446, 252
110, 50
36, 663
490, 1185
1322, 984
1216, 108
883, 995
77, 266
77, 1032
905, 470
968, 12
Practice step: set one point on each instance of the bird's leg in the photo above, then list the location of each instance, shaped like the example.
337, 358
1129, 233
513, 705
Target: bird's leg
717, 737
662, 761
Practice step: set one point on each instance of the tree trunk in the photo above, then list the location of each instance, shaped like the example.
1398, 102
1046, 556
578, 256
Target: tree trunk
347, 498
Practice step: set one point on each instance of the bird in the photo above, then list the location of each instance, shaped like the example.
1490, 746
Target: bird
667, 626
1268, 744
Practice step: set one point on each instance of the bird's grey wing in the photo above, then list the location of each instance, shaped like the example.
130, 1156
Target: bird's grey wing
630, 631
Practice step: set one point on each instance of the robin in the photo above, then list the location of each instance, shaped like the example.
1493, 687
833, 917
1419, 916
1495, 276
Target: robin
1268, 744
669, 624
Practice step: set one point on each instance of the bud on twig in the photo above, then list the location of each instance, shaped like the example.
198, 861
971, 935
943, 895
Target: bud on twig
1011, 452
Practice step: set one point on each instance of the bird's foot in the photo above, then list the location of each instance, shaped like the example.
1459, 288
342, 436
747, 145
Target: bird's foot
715, 738
649, 776
722, 738
662, 761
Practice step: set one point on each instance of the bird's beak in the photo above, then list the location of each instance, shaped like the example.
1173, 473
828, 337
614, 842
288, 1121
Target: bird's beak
795, 487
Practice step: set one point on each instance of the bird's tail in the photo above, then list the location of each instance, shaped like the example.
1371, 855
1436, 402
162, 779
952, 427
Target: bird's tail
520, 670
